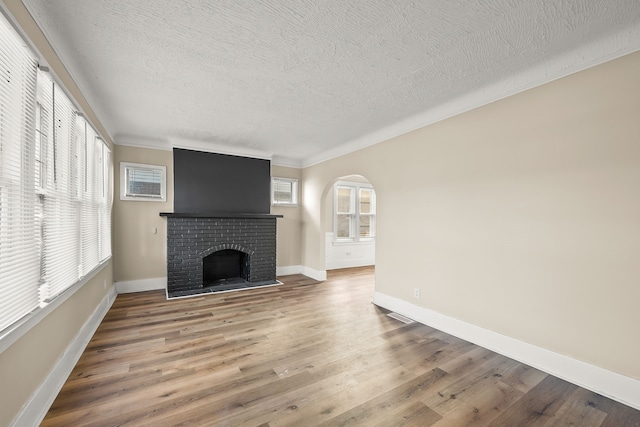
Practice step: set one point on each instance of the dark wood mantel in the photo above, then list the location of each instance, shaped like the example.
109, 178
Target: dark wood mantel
218, 215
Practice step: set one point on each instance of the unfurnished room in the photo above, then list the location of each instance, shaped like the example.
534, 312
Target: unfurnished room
319, 213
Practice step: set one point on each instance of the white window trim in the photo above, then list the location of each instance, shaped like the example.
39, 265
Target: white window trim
294, 189
21, 327
141, 198
58, 100
356, 186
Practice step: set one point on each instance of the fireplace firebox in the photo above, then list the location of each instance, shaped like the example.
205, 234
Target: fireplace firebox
225, 266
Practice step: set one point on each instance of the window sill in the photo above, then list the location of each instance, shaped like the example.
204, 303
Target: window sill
141, 199
24, 325
353, 242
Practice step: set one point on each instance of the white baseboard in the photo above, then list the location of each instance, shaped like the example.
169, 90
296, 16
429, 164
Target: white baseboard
288, 270
348, 263
35, 409
607, 383
129, 286
142, 285
319, 275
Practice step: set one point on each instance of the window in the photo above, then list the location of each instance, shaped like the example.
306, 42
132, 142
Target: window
355, 212
55, 203
19, 250
284, 192
143, 182
366, 212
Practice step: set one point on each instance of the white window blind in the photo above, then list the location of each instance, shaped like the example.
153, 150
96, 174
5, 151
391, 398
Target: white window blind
77, 225
19, 248
55, 191
89, 198
61, 209
143, 182
95, 197
284, 191
104, 200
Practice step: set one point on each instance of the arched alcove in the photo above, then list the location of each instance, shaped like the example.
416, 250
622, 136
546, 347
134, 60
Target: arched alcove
354, 251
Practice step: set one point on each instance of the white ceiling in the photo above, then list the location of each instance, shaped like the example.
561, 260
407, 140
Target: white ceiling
307, 80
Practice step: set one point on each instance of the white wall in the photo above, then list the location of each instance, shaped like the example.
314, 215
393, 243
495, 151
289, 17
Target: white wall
345, 255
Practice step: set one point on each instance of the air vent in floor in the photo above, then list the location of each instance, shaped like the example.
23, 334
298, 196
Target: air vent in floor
400, 317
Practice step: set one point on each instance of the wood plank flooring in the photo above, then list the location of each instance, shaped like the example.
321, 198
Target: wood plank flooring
304, 354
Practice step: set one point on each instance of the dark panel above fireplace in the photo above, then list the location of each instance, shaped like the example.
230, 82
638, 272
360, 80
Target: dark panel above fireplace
210, 182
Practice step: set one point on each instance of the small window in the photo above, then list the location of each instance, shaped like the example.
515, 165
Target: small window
284, 192
143, 182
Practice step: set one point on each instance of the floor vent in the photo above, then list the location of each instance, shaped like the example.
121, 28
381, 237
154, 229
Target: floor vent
400, 317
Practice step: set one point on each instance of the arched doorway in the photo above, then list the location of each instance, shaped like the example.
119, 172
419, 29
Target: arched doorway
348, 220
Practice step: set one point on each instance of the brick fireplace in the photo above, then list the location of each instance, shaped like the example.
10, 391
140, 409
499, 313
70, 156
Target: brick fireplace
213, 253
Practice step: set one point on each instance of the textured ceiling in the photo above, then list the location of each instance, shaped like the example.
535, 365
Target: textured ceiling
305, 80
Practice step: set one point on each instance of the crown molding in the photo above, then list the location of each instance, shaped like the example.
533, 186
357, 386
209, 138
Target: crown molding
606, 49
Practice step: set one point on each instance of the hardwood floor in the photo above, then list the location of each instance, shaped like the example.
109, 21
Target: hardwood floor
304, 354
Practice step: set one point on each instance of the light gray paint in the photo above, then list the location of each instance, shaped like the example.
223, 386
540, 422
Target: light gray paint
304, 80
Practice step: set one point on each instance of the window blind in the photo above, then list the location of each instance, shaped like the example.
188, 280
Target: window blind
284, 191
77, 235
88, 198
105, 196
61, 209
55, 191
19, 233
144, 182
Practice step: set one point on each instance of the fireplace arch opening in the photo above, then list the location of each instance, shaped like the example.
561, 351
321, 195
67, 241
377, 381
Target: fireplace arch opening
225, 267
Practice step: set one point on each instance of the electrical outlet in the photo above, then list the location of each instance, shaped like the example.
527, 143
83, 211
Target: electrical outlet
416, 292
348, 253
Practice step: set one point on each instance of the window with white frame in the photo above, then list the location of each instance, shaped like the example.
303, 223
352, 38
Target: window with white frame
55, 200
19, 245
354, 212
284, 191
143, 182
